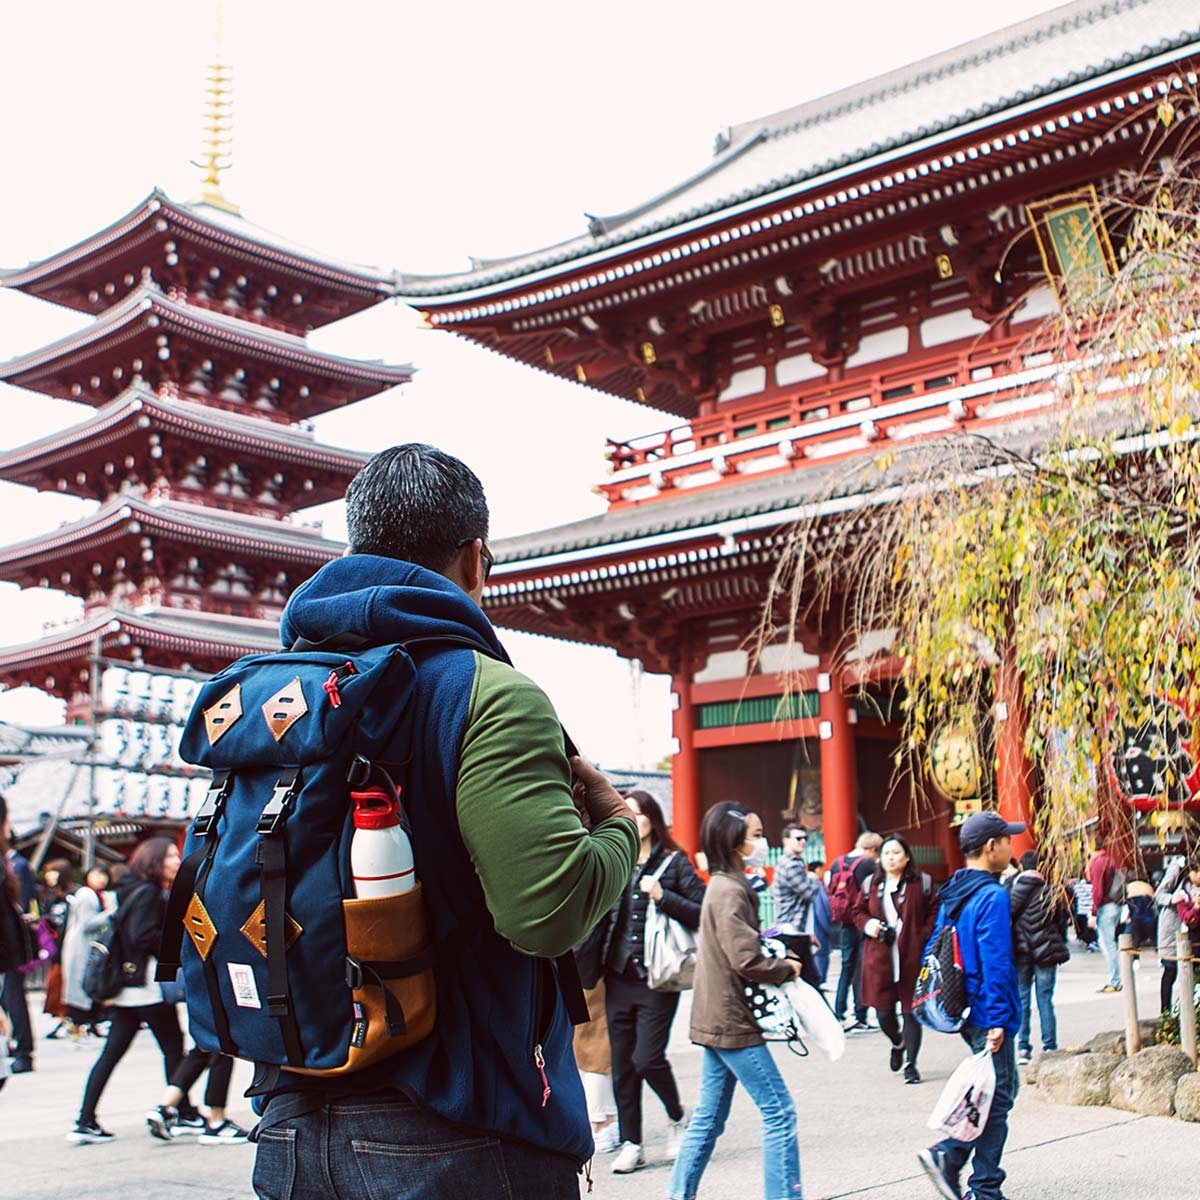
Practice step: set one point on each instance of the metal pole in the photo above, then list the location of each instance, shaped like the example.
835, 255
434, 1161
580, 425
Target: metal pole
94, 669
1187, 1003
1125, 951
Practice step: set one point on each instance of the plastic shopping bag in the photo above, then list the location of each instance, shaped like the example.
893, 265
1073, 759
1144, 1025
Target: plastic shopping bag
818, 1024
962, 1109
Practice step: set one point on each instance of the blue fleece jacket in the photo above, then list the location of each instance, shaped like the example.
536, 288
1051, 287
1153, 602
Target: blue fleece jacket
984, 924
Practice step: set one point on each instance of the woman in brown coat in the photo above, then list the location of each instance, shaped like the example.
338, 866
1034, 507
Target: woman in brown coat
894, 912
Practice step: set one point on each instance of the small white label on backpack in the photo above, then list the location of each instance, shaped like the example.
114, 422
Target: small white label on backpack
245, 992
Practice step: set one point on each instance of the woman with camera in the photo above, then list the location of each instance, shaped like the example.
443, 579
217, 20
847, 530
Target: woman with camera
894, 913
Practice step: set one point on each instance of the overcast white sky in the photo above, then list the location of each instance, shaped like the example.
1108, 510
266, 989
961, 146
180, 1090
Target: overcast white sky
411, 136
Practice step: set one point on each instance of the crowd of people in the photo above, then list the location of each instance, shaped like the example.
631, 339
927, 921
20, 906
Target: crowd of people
50, 925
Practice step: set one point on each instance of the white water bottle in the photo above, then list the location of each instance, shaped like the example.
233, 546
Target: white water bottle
381, 857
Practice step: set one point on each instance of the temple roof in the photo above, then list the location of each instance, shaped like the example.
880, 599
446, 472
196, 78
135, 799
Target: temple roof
131, 518
127, 425
119, 252
80, 365
163, 635
978, 82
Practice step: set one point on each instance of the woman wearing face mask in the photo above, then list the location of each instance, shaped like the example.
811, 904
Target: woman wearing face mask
895, 916
639, 1019
734, 1050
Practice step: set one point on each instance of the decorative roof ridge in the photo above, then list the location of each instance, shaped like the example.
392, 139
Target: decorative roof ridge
139, 397
164, 513
149, 296
430, 288
945, 64
224, 225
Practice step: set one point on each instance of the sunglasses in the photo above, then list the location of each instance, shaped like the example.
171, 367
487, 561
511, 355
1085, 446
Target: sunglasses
486, 559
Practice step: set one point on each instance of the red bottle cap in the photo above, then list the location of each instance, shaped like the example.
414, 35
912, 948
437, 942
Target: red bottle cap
375, 809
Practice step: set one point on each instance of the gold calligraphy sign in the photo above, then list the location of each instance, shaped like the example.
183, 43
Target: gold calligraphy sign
1073, 241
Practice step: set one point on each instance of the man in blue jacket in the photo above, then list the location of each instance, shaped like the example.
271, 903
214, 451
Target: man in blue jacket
981, 913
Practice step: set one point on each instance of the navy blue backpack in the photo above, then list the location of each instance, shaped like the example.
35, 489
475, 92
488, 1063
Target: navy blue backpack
282, 965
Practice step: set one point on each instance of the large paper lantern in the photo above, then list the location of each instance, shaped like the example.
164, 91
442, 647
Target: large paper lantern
955, 764
1156, 760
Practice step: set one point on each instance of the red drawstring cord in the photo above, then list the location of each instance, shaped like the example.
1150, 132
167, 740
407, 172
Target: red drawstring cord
331, 684
541, 1066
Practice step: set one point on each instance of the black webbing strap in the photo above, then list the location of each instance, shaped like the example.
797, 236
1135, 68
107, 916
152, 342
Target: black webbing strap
204, 826
272, 859
212, 980
571, 988
358, 972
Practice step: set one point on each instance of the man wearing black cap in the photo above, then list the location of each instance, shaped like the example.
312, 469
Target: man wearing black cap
979, 907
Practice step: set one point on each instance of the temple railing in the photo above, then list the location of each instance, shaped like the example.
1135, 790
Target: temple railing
935, 393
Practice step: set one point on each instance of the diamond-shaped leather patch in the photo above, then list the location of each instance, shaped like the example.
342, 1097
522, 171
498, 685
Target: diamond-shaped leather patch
199, 926
285, 708
255, 929
219, 718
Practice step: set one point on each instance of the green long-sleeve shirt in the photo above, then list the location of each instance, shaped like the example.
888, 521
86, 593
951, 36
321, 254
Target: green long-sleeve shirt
545, 878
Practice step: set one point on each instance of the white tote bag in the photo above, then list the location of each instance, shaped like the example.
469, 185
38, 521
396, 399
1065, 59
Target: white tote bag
670, 947
820, 1027
962, 1109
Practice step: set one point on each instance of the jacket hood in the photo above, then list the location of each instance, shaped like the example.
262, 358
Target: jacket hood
963, 884
384, 600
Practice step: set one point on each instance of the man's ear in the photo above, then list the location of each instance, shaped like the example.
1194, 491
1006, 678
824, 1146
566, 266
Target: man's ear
471, 567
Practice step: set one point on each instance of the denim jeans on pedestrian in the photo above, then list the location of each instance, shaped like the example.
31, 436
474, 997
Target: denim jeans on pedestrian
987, 1176
1041, 980
851, 944
384, 1146
755, 1069
1106, 926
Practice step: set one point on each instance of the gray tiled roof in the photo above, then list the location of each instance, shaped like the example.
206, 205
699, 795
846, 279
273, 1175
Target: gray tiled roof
1046, 54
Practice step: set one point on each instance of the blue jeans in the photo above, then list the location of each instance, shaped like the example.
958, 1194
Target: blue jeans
851, 944
987, 1176
384, 1147
1041, 979
1106, 927
755, 1069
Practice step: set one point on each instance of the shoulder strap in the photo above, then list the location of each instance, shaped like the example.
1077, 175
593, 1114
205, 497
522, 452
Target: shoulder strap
666, 862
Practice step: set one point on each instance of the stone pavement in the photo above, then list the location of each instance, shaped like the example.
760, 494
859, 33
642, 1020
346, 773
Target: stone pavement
860, 1127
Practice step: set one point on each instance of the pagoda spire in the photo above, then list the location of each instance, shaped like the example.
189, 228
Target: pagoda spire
218, 124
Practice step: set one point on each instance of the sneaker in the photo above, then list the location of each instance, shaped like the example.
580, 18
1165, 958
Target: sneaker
227, 1133
21, 1066
607, 1139
675, 1132
896, 1058
1110, 987
190, 1126
161, 1121
83, 1135
911, 1074
629, 1159
856, 1027
1024, 1058
933, 1163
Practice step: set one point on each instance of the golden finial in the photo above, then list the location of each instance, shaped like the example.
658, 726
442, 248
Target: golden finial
218, 124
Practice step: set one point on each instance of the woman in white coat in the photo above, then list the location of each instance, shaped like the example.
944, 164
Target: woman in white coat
89, 911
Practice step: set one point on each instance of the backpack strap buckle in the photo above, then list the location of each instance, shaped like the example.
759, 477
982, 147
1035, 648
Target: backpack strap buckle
354, 973
275, 812
214, 802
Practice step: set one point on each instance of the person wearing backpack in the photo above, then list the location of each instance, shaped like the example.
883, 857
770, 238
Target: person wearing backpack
978, 907
519, 850
1040, 944
844, 880
1108, 894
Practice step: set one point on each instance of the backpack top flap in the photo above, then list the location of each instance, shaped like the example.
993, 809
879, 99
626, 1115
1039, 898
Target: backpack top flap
300, 708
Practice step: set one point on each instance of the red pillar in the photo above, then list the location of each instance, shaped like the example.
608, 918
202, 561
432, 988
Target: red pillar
839, 793
685, 767
1014, 790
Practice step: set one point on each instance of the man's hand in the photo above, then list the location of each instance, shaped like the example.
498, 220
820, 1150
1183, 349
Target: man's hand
599, 798
995, 1039
797, 966
1091, 922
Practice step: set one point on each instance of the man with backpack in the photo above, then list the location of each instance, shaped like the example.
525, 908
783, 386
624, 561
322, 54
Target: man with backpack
844, 880
513, 871
977, 906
